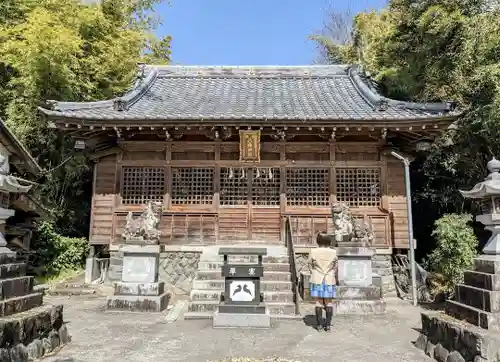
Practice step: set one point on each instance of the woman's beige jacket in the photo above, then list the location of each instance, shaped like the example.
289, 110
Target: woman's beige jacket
323, 264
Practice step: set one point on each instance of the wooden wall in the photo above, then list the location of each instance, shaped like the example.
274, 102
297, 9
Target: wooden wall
396, 203
209, 222
103, 200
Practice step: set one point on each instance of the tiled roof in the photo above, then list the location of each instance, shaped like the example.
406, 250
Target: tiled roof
302, 93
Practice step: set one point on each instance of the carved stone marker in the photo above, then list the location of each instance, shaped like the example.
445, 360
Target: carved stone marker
242, 301
139, 289
355, 266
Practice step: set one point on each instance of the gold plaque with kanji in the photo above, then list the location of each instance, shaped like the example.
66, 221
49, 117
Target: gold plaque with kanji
250, 146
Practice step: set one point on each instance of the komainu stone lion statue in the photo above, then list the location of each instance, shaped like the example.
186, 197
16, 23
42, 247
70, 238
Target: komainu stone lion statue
144, 228
348, 229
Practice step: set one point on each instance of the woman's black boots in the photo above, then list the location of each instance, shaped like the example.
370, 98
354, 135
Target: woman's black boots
319, 317
329, 315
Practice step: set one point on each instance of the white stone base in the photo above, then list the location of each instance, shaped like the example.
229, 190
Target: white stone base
241, 320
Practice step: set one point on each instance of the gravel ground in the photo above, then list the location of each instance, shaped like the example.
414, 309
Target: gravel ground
114, 336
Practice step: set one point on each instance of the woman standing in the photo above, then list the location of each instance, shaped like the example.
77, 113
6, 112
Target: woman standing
322, 285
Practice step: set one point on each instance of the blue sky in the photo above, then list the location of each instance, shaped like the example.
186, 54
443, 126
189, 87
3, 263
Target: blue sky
252, 32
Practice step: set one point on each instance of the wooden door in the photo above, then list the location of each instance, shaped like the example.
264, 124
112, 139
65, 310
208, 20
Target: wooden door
250, 204
234, 210
265, 213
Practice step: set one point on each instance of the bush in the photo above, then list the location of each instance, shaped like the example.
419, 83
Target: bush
54, 253
455, 251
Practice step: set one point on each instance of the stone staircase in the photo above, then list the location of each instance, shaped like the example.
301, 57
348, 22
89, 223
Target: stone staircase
276, 284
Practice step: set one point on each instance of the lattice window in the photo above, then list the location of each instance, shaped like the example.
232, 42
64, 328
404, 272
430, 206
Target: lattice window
307, 186
358, 187
266, 186
142, 184
233, 186
191, 186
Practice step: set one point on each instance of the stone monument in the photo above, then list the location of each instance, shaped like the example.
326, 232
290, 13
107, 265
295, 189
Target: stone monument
356, 291
139, 289
477, 300
28, 329
242, 303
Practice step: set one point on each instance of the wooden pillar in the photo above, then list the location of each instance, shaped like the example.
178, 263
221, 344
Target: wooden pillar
282, 146
167, 200
333, 180
216, 200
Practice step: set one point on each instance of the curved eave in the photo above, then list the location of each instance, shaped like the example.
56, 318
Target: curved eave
173, 119
376, 99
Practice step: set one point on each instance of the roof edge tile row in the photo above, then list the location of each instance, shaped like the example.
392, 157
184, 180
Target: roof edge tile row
122, 104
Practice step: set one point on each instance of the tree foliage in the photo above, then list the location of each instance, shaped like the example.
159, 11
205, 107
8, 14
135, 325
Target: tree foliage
438, 50
67, 50
455, 251
55, 253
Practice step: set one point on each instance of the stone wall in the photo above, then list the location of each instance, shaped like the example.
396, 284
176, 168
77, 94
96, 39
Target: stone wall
177, 269
448, 340
381, 265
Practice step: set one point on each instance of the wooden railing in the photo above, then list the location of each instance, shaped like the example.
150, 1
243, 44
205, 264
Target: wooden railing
305, 227
178, 227
289, 242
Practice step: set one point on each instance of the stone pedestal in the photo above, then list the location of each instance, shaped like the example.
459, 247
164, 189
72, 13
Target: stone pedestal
139, 290
356, 291
355, 266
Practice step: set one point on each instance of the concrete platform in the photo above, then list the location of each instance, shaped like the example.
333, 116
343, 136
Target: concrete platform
138, 303
114, 336
361, 307
242, 320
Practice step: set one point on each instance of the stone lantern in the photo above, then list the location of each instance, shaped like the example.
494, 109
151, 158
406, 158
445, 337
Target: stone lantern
476, 301
8, 184
488, 192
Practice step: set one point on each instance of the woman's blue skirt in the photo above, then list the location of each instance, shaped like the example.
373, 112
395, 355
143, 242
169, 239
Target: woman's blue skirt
323, 291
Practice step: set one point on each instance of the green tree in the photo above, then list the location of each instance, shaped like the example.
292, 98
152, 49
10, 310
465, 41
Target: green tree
455, 251
67, 50
437, 51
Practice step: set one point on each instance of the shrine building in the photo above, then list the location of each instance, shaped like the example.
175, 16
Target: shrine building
233, 152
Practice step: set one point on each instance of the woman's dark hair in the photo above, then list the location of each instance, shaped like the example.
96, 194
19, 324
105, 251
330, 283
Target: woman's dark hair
323, 239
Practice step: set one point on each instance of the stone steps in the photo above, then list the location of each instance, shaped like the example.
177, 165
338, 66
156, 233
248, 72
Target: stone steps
486, 300
482, 280
472, 315
72, 288
203, 295
20, 304
70, 291
217, 265
276, 284
246, 259
274, 308
268, 275
15, 287
209, 315
265, 285
12, 270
